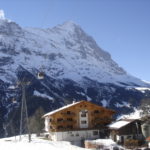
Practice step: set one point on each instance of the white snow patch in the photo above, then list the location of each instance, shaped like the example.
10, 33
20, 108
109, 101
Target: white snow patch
124, 104
89, 98
106, 143
12, 87
104, 103
142, 89
146, 81
2, 15
134, 115
36, 93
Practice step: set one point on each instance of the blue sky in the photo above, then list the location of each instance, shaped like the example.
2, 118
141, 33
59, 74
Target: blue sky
121, 27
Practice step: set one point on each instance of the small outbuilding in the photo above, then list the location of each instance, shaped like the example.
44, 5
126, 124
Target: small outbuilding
124, 129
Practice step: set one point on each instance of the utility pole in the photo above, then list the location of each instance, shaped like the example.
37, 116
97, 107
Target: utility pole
24, 111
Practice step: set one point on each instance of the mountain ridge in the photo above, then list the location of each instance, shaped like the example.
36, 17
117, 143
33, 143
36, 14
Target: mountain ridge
67, 46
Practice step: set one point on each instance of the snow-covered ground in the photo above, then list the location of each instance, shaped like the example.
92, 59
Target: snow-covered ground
13, 143
39, 143
105, 143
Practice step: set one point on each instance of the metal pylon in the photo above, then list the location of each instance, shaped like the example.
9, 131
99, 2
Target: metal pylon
24, 120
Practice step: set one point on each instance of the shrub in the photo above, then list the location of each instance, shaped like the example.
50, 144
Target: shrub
130, 143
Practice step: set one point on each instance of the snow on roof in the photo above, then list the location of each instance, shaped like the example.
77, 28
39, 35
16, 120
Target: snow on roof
62, 108
119, 124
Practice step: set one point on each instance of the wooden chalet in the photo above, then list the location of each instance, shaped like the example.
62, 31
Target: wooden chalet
124, 129
78, 121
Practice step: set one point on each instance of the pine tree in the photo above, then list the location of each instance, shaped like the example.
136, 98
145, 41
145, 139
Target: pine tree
36, 122
145, 107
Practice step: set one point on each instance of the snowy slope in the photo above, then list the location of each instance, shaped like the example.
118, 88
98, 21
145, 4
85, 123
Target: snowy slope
64, 51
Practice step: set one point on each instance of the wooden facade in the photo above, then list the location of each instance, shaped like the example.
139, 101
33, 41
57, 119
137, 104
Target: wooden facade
69, 118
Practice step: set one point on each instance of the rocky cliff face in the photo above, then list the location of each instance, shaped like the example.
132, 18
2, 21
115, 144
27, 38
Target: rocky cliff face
75, 68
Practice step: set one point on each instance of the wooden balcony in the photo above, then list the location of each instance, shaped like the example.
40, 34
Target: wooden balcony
73, 129
55, 123
101, 120
71, 114
97, 114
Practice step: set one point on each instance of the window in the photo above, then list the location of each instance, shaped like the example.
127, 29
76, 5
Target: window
129, 137
68, 112
59, 119
95, 132
96, 111
83, 122
70, 127
77, 134
69, 119
60, 127
83, 114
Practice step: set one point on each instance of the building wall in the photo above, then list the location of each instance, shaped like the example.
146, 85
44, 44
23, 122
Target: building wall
74, 135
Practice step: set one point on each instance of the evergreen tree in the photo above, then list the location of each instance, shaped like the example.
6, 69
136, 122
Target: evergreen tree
145, 107
36, 122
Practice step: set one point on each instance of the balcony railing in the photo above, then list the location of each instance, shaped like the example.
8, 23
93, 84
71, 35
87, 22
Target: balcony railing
73, 129
102, 120
97, 114
68, 114
62, 121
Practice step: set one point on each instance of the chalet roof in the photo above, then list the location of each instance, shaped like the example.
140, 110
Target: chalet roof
121, 123
70, 105
62, 108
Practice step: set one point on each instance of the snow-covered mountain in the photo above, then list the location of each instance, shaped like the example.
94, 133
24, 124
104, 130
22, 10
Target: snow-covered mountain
64, 51
75, 68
